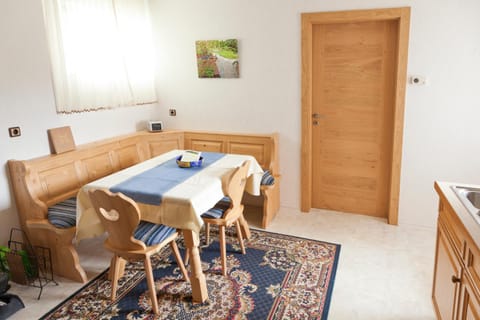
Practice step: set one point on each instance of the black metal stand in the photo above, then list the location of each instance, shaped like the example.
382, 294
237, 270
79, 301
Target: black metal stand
28, 265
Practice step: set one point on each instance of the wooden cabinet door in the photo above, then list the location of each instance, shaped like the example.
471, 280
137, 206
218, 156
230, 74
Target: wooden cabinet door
470, 302
445, 288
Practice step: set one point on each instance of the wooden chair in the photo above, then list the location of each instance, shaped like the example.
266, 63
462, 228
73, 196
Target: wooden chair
130, 238
228, 211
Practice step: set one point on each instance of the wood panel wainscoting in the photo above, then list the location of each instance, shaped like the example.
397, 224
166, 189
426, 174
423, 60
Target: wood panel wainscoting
42, 182
353, 92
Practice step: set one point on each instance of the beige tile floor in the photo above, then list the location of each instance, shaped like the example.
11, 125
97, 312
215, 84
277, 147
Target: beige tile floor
384, 272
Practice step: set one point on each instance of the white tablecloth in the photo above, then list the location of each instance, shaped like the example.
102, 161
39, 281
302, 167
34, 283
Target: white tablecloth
182, 205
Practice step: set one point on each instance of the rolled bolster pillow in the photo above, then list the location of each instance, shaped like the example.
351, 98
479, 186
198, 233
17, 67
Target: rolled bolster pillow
267, 179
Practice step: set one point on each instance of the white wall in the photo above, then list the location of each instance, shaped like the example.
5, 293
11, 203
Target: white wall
26, 100
441, 119
440, 136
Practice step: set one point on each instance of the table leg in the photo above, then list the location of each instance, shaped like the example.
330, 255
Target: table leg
197, 278
244, 227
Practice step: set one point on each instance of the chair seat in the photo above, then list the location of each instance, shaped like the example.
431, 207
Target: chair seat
63, 214
152, 233
214, 213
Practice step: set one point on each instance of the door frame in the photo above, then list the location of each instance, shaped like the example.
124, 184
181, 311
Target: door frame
309, 20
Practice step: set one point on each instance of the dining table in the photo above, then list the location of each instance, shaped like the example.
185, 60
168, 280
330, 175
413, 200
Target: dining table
174, 196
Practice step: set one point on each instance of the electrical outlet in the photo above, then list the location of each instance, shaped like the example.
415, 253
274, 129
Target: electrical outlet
418, 80
14, 132
173, 112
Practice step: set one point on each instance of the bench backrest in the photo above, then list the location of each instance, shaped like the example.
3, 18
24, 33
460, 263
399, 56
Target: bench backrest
41, 182
263, 147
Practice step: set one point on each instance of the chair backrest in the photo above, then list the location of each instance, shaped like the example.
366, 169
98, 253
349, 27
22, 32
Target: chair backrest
120, 217
236, 185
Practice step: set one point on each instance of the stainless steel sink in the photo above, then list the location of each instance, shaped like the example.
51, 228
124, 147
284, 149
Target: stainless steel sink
474, 198
470, 197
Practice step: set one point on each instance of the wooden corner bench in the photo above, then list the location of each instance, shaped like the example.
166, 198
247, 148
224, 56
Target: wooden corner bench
43, 182
264, 148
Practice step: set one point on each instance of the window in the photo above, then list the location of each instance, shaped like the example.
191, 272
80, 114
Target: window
101, 53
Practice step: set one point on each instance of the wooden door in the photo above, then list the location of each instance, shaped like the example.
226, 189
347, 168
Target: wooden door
352, 110
352, 107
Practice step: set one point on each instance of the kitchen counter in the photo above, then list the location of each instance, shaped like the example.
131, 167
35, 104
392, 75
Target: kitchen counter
445, 192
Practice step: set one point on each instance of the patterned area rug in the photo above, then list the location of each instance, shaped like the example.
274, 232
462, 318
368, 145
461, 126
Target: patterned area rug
280, 277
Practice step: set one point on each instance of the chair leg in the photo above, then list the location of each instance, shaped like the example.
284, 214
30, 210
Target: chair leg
176, 253
223, 250
246, 234
207, 233
239, 234
121, 267
115, 266
151, 284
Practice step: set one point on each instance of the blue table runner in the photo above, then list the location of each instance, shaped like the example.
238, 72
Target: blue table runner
149, 186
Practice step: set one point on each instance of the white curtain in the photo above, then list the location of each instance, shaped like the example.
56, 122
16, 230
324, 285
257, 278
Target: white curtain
101, 53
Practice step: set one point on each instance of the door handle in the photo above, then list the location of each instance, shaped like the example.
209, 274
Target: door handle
456, 279
317, 115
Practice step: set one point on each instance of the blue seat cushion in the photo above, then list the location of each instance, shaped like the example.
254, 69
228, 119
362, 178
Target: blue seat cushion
224, 202
63, 214
152, 233
214, 213
225, 199
267, 179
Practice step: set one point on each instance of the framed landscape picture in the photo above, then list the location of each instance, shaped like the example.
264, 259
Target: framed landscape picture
217, 58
